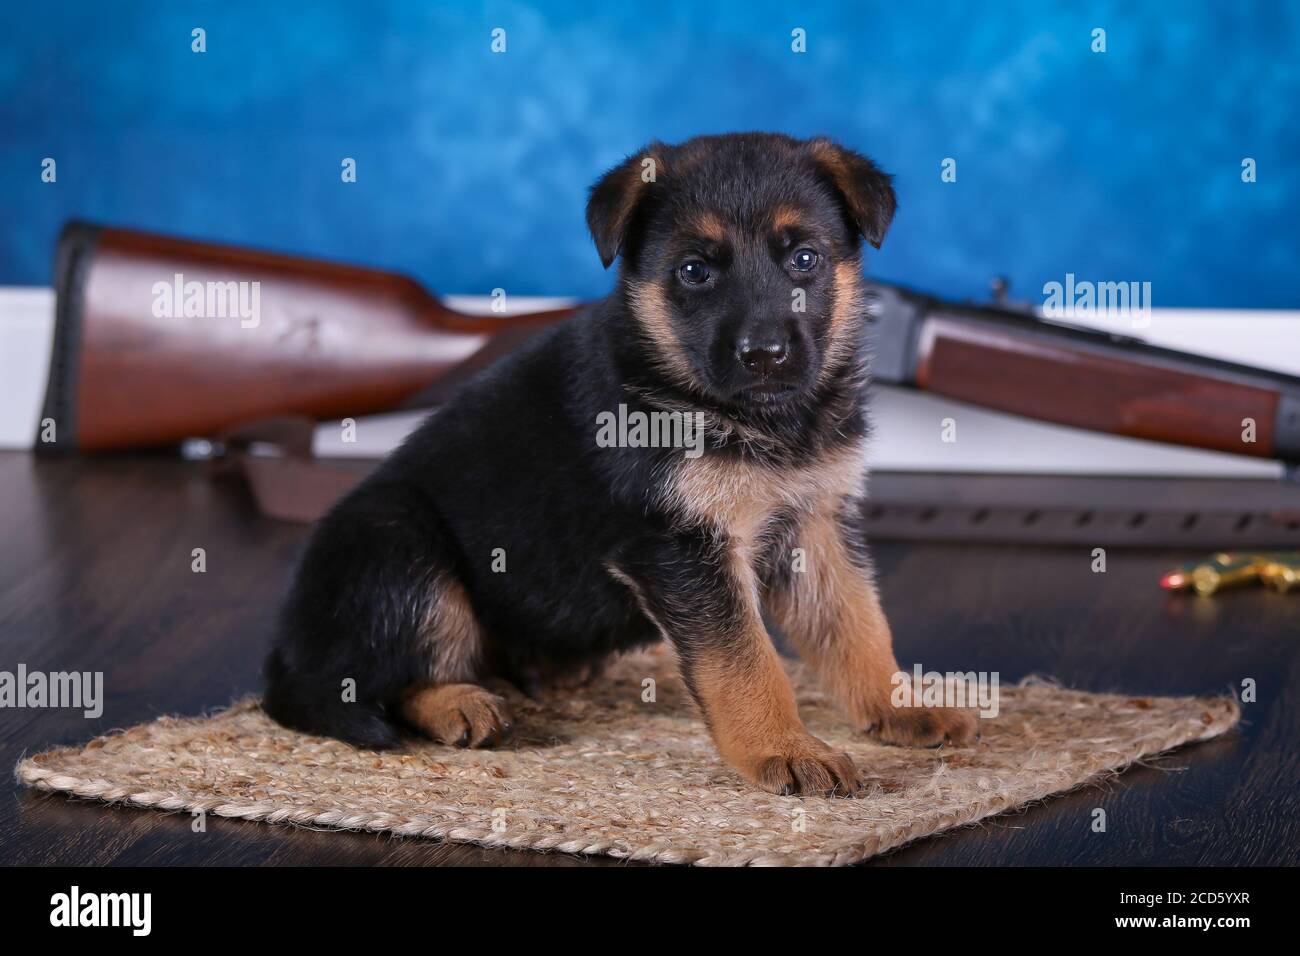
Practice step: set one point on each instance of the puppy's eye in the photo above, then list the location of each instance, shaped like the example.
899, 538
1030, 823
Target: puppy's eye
804, 260
694, 272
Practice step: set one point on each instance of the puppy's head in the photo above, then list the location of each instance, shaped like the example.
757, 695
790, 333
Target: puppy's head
741, 258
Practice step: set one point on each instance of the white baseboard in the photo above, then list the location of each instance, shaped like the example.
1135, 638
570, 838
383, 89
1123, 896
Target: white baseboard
26, 341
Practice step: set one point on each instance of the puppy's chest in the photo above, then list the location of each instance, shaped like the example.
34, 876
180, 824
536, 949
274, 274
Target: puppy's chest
740, 500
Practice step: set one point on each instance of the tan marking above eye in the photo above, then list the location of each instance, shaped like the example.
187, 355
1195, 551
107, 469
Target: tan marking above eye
786, 217
707, 225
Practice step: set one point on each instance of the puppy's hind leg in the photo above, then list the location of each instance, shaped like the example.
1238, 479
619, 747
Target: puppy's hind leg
375, 613
449, 708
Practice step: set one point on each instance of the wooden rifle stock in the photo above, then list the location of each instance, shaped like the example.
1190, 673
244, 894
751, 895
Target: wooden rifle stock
1089, 385
1016, 362
160, 339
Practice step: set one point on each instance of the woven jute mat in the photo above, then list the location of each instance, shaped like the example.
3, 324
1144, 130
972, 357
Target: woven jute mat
603, 770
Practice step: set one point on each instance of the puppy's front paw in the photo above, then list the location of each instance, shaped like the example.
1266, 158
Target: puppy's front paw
804, 765
926, 727
461, 715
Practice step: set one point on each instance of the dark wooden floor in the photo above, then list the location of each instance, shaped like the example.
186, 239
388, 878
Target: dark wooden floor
95, 575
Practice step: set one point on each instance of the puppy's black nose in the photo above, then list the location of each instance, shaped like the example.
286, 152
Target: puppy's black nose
761, 357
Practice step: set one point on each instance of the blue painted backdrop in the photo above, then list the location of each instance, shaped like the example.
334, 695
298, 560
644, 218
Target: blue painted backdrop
473, 166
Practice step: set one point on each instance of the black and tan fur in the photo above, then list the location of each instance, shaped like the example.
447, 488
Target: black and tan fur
500, 542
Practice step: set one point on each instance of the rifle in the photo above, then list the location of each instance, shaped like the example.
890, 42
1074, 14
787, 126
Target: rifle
332, 340
158, 340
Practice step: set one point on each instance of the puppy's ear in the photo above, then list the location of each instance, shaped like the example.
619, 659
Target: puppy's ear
868, 193
615, 197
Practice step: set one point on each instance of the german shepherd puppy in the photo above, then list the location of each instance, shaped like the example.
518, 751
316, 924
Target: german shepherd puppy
504, 540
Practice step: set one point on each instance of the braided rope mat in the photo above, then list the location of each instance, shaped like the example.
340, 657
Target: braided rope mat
600, 770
